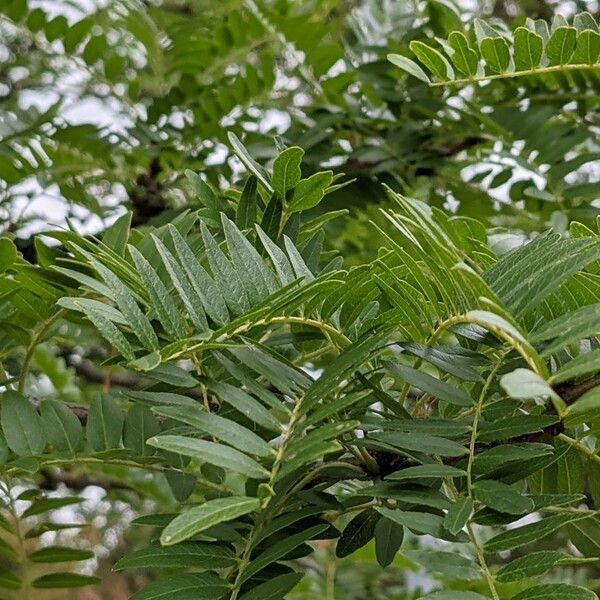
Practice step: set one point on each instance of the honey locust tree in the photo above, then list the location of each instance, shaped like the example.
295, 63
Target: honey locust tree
267, 371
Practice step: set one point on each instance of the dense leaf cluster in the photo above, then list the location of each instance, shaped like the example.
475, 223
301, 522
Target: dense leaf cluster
441, 382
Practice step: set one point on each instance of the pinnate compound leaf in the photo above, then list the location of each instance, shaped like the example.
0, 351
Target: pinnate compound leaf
200, 518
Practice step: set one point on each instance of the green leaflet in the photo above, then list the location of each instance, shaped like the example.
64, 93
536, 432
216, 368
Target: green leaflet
8, 253
203, 285
115, 236
496, 54
37, 507
135, 318
162, 302
535, 563
55, 581
232, 289
245, 215
433, 60
434, 470
212, 453
524, 383
511, 427
278, 550
203, 190
411, 67
273, 589
388, 539
357, 533
521, 536
584, 535
197, 519
248, 262
458, 514
584, 408
528, 49
501, 497
279, 259
21, 424
568, 328
419, 522
245, 404
561, 45
587, 49
183, 587
225, 430
420, 443
500, 456
140, 424
431, 385
584, 364
309, 192
286, 170
451, 359
107, 329
556, 591
465, 59
185, 554
62, 427
182, 285
450, 564
104, 424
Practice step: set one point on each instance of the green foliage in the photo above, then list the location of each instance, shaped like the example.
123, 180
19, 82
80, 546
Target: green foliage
287, 386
